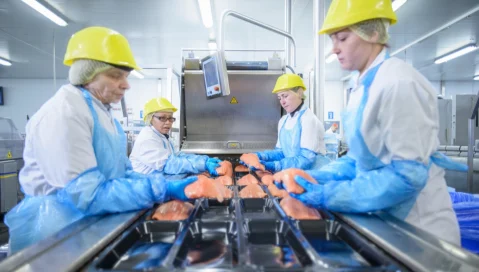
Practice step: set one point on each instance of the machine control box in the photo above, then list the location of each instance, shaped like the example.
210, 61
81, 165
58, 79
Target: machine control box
215, 75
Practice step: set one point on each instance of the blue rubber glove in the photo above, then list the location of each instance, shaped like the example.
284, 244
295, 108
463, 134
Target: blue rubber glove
279, 185
313, 195
211, 165
175, 189
272, 166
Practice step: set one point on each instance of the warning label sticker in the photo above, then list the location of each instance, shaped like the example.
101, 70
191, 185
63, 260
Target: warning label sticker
234, 100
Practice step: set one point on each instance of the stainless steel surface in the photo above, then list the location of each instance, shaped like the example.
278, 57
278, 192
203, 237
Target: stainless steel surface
415, 248
73, 247
8, 185
226, 147
470, 155
458, 180
319, 61
287, 28
240, 16
81, 245
191, 63
445, 121
438, 29
470, 148
11, 142
253, 119
463, 104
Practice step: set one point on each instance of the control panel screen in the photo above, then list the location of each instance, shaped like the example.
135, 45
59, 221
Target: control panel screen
212, 77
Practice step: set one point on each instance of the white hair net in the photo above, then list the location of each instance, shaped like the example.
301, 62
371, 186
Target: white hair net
83, 71
366, 29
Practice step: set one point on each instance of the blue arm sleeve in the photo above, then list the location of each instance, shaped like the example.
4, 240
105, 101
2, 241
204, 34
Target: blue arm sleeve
377, 189
185, 163
303, 161
92, 194
343, 168
271, 155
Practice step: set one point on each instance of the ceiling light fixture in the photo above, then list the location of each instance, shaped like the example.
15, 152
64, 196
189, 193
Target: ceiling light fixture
398, 3
456, 53
45, 12
137, 74
5, 62
476, 77
205, 10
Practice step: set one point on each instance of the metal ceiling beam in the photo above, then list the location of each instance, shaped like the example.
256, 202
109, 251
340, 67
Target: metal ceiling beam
287, 28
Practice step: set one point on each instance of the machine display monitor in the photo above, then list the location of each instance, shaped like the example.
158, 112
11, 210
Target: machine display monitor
1, 96
215, 76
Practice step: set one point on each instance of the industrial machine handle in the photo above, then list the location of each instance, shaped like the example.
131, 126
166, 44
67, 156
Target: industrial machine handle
256, 23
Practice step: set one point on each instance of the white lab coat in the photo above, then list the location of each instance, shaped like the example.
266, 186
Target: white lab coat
150, 151
401, 122
312, 134
58, 144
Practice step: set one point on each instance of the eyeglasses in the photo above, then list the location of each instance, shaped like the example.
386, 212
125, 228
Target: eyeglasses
164, 118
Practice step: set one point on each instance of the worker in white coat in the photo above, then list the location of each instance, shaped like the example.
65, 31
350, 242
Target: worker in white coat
153, 151
392, 165
300, 141
75, 151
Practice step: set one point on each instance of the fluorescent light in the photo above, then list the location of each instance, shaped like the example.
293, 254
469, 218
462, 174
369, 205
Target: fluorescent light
45, 12
456, 53
398, 3
476, 77
5, 62
137, 74
205, 9
331, 58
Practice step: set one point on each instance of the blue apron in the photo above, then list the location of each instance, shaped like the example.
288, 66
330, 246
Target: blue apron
37, 217
359, 151
290, 141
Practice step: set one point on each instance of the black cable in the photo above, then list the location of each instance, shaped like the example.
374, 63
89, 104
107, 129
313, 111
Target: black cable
290, 68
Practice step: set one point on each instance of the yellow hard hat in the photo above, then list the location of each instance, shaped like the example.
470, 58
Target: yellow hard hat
102, 44
288, 81
157, 104
343, 13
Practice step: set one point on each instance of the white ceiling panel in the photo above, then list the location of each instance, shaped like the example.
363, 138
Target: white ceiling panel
158, 29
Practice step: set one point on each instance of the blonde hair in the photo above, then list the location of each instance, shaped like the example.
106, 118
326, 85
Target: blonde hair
299, 91
148, 118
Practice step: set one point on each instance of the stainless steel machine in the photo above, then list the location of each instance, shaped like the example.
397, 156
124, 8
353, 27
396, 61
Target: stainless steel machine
11, 153
244, 121
241, 235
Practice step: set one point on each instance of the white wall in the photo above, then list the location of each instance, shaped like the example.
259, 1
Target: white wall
25, 96
461, 87
141, 90
333, 100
